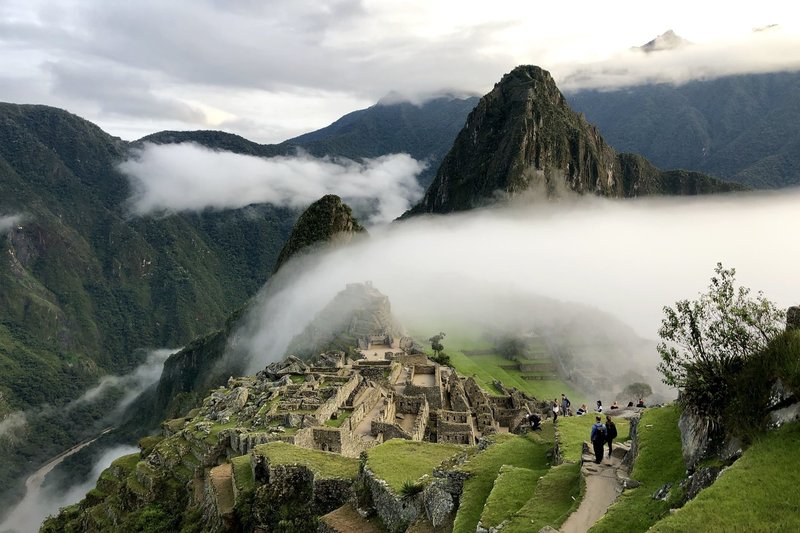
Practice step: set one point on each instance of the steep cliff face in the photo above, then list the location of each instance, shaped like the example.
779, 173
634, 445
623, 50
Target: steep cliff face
189, 374
326, 220
523, 136
522, 133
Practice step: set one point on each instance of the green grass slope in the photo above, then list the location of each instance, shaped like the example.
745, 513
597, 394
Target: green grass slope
397, 461
659, 461
759, 492
526, 452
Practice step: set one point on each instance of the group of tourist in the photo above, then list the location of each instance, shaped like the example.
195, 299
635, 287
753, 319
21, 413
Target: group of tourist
601, 434
563, 408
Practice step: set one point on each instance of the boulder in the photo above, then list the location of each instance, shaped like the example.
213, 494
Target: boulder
695, 438
704, 477
663, 492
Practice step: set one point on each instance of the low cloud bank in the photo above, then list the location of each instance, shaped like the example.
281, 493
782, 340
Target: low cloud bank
626, 259
9, 221
188, 177
41, 502
770, 50
132, 384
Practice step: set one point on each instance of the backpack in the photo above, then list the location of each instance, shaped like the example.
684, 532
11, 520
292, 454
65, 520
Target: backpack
600, 434
612, 430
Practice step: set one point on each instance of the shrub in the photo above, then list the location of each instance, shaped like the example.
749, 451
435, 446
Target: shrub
411, 489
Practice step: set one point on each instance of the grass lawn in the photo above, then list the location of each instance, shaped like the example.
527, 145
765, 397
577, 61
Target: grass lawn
242, 473
573, 431
759, 492
397, 460
324, 464
529, 451
659, 461
557, 495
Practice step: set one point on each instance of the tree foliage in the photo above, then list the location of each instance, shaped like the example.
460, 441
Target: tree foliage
706, 340
637, 390
436, 343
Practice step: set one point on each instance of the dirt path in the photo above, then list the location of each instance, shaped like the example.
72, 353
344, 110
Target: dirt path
602, 488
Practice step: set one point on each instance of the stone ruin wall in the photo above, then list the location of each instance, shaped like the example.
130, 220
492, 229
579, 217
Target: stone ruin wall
332, 404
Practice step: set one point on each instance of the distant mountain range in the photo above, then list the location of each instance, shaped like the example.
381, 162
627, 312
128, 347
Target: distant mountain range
738, 128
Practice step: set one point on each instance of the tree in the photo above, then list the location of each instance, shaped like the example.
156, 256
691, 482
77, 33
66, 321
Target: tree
637, 390
436, 343
511, 348
704, 338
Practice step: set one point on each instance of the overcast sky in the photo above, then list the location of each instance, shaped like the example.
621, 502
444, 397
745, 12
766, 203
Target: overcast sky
270, 70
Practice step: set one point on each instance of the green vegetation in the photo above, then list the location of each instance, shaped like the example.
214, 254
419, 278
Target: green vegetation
528, 452
397, 461
744, 123
511, 490
757, 493
323, 464
242, 473
557, 494
573, 431
411, 488
490, 365
659, 461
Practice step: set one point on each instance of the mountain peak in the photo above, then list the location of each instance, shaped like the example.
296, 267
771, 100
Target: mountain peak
326, 219
668, 40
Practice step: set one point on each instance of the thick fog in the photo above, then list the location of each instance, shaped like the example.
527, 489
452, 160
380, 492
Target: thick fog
40, 502
189, 177
571, 260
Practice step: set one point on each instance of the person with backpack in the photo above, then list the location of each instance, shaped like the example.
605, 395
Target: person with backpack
598, 438
611, 433
565, 404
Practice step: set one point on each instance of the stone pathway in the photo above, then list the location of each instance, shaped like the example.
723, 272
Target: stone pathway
602, 487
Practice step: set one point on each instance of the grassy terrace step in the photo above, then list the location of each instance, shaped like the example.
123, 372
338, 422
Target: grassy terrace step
242, 474
512, 488
397, 460
323, 464
556, 496
759, 492
529, 451
659, 461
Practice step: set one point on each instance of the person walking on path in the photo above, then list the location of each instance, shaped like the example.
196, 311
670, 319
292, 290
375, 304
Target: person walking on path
565, 405
611, 433
598, 438
555, 410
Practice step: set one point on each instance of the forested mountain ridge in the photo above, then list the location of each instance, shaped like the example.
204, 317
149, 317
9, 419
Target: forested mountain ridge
739, 128
85, 288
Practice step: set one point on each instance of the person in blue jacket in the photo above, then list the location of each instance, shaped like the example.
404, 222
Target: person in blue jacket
598, 438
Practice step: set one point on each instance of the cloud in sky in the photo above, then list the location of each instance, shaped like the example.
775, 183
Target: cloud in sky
188, 177
294, 66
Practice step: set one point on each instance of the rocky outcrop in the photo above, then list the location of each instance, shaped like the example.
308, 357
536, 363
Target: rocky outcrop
523, 137
696, 438
328, 219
